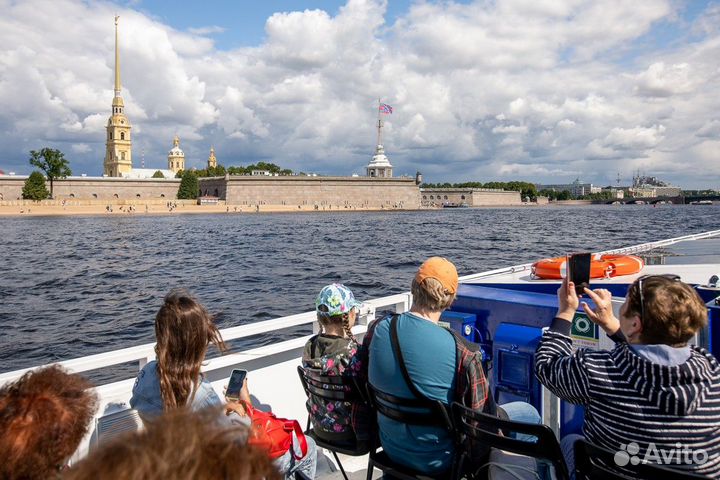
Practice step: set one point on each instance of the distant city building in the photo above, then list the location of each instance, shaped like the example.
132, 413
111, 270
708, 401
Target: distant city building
617, 193
380, 165
212, 161
576, 189
648, 191
256, 173
118, 152
176, 157
668, 191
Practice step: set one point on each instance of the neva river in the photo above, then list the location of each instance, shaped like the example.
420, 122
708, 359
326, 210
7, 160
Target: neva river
75, 286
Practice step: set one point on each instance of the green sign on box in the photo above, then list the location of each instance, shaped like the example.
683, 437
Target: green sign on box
583, 327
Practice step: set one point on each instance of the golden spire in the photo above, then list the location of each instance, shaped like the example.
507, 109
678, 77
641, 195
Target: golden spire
117, 59
176, 141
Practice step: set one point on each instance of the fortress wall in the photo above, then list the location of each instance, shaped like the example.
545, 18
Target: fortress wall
338, 192
11, 187
496, 198
89, 188
471, 196
359, 192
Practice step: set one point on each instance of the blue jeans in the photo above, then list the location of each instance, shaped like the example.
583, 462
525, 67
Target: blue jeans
522, 412
307, 465
567, 445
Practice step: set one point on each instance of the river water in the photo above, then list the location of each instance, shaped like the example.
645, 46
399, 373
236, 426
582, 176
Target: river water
75, 286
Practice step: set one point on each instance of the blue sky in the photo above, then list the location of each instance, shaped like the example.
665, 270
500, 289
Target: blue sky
537, 90
242, 21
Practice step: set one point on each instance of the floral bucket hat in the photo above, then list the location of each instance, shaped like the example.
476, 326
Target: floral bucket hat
336, 299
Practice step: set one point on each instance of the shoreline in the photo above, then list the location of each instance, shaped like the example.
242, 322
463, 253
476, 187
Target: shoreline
193, 209
162, 210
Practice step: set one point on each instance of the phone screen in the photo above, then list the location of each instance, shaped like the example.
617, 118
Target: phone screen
579, 271
236, 382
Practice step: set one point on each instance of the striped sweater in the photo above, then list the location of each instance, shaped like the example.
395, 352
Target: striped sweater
629, 399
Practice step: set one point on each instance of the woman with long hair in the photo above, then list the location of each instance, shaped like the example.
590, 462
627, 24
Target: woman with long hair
184, 330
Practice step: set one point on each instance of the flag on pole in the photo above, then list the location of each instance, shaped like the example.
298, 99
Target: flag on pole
385, 108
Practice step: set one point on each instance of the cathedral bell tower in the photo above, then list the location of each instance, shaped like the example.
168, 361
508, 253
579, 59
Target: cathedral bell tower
118, 152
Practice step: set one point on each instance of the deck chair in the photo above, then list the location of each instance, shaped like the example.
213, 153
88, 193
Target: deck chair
411, 411
484, 429
332, 389
115, 424
593, 462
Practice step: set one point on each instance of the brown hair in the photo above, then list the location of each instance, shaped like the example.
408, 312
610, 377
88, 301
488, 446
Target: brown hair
183, 330
180, 445
431, 295
43, 417
341, 320
672, 311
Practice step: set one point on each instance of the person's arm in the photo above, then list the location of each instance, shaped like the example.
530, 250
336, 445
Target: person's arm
564, 373
603, 313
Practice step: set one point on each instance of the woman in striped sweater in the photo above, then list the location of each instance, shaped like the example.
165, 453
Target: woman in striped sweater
652, 396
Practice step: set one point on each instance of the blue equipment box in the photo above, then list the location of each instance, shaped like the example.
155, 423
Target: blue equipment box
463, 323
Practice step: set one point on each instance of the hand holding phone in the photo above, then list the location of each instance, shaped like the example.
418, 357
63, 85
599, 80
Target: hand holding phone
236, 384
578, 265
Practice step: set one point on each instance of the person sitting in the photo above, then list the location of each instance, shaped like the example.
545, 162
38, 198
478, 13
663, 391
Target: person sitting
652, 389
182, 445
43, 418
441, 365
333, 352
184, 330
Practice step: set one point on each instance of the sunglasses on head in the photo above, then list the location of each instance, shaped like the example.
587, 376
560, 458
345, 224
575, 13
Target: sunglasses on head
670, 276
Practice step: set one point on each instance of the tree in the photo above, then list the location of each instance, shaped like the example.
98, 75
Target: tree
34, 188
179, 174
189, 186
158, 174
52, 162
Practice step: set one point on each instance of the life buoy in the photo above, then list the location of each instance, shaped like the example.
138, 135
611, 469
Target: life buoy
602, 266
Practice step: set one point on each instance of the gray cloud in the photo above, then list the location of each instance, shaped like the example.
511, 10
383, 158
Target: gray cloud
516, 89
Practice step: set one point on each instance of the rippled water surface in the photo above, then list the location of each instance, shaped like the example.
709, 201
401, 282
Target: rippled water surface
74, 286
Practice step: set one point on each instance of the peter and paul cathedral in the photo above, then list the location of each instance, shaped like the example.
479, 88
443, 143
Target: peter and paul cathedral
118, 152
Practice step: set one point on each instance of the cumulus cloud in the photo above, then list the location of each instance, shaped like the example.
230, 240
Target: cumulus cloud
513, 89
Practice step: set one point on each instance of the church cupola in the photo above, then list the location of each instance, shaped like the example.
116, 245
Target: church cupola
212, 161
176, 157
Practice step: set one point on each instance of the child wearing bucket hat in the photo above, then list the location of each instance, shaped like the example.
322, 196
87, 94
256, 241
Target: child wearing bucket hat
333, 352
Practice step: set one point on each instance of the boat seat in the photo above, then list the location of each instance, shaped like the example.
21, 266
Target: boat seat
113, 425
593, 462
332, 389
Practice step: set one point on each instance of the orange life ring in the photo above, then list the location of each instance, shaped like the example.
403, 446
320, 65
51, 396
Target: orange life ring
602, 266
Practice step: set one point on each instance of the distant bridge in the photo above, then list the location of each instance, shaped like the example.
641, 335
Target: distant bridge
680, 200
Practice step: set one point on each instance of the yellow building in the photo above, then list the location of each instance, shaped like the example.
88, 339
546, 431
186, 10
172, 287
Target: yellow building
212, 161
176, 157
118, 152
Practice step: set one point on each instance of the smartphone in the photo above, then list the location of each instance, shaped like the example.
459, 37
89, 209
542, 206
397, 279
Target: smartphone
236, 382
579, 271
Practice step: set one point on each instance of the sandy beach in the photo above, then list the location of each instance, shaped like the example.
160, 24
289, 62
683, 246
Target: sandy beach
162, 209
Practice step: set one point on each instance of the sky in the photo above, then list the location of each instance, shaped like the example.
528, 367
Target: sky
492, 90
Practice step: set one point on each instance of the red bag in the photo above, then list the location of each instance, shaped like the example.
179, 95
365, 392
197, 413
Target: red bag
274, 434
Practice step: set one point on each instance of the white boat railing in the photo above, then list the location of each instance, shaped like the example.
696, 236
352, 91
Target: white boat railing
268, 363
145, 353
643, 247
